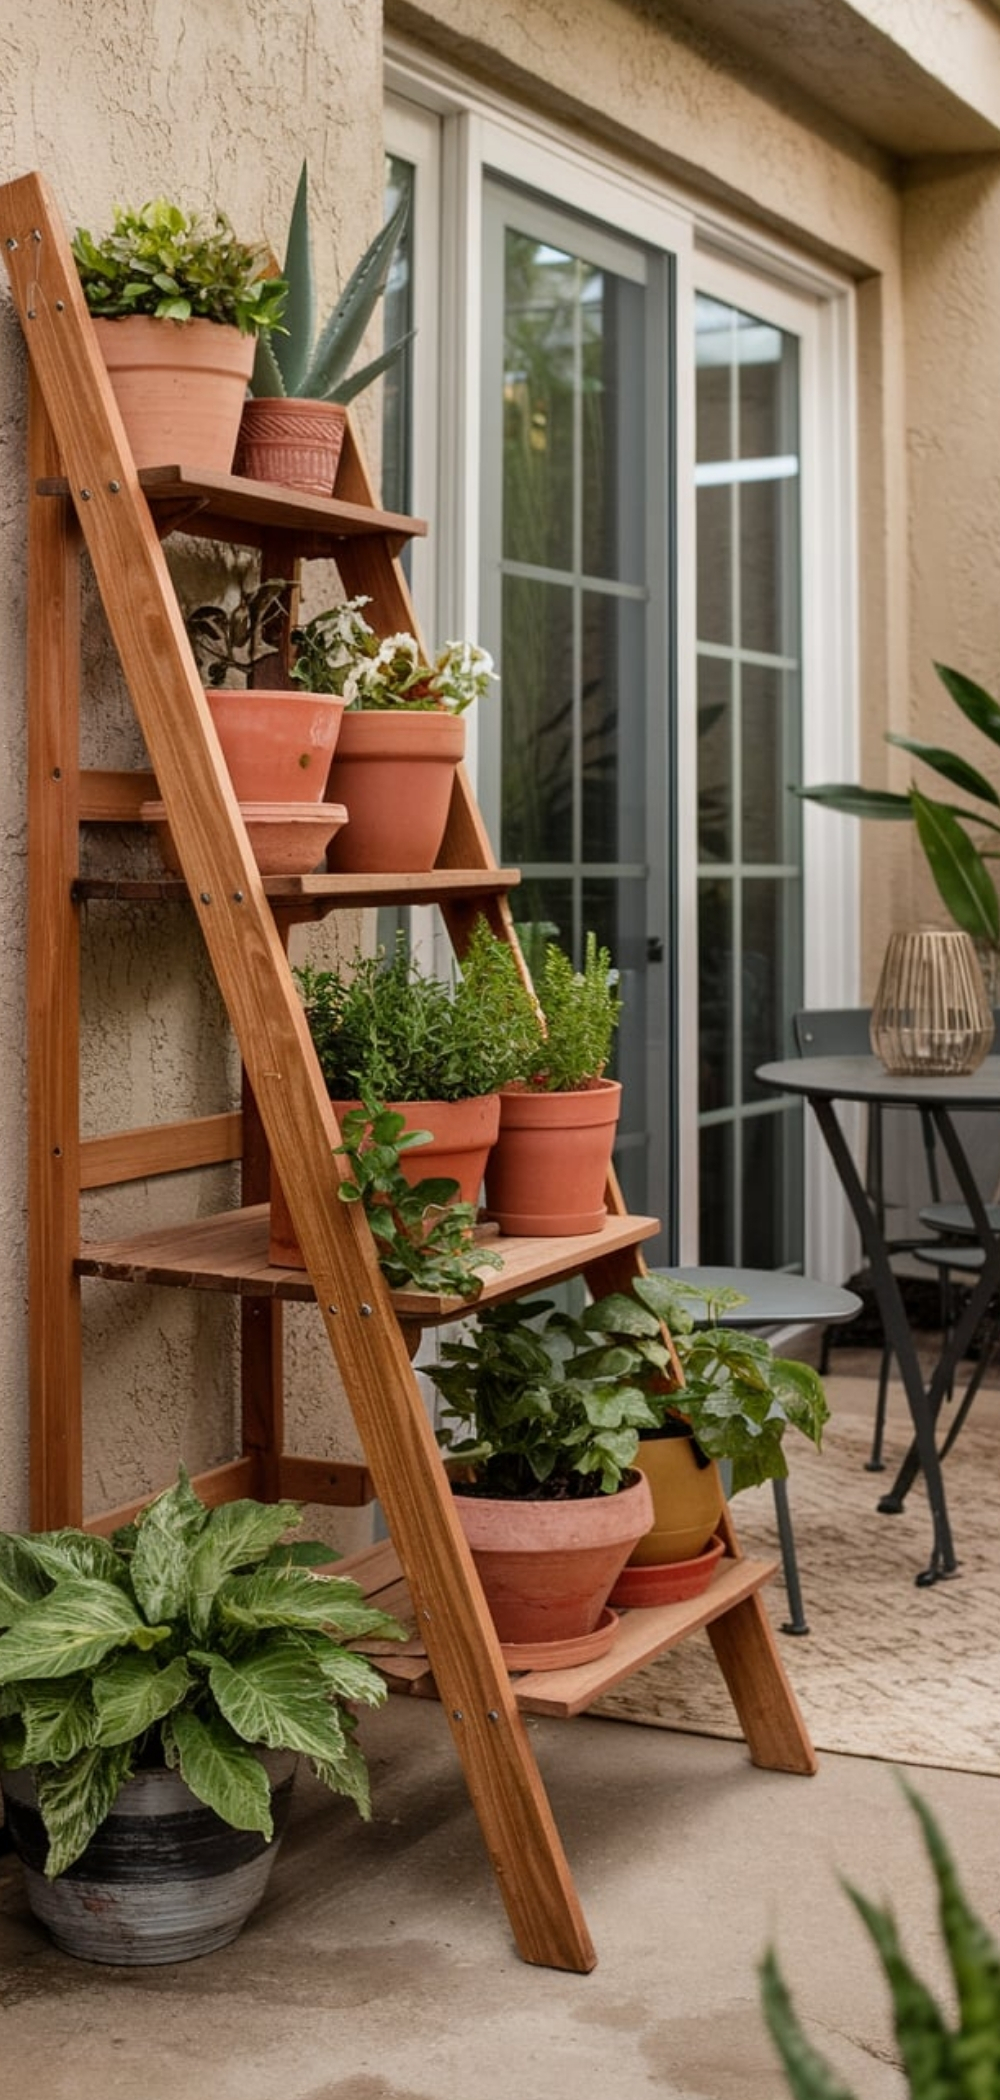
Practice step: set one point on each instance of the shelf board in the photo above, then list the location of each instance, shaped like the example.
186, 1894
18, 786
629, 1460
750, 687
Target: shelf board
228, 1252
229, 507
312, 896
640, 1636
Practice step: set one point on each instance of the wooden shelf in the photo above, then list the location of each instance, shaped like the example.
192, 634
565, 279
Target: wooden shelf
559, 1694
228, 507
228, 1252
312, 896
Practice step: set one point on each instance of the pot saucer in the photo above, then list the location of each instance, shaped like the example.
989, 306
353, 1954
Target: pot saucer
564, 1654
287, 838
667, 1581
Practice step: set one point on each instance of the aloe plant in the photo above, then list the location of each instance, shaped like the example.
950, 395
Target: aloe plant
958, 862
303, 364
189, 1638
941, 2061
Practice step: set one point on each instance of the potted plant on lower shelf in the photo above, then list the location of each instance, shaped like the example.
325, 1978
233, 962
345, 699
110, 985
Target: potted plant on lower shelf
179, 305
548, 1171
385, 1030
540, 1430
176, 1671
402, 737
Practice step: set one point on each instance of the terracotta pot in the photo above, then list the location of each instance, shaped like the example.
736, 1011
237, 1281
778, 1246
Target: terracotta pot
395, 772
547, 1568
548, 1171
670, 1582
687, 1497
180, 387
163, 1879
296, 444
286, 838
463, 1132
277, 744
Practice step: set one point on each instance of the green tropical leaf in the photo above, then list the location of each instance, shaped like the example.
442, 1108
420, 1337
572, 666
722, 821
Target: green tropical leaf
962, 877
72, 1629
75, 1798
58, 1720
237, 1535
976, 703
21, 1579
352, 1676
346, 1773
59, 1553
221, 1771
294, 1597
273, 1698
133, 1692
950, 765
854, 801
166, 1534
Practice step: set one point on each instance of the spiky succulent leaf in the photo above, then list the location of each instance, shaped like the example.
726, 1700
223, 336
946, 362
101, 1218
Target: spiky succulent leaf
237, 1535
299, 318
853, 801
221, 1771
975, 1963
342, 334
950, 764
133, 1693
809, 2076
72, 1629
75, 1798
958, 868
921, 2030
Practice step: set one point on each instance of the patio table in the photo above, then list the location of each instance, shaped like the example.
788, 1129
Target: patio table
826, 1083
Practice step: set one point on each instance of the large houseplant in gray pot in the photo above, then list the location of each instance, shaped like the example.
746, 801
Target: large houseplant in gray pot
292, 429
548, 1171
179, 304
436, 1053
156, 1690
540, 1428
402, 738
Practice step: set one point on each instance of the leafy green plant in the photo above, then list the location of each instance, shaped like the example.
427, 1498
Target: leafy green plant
338, 652
178, 266
582, 1010
737, 1395
535, 1409
941, 2061
228, 640
383, 1030
191, 1636
958, 861
423, 1235
302, 363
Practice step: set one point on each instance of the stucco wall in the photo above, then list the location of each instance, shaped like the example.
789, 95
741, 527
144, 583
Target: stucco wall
121, 100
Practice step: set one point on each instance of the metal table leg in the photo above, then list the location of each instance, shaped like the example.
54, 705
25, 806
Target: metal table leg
898, 1335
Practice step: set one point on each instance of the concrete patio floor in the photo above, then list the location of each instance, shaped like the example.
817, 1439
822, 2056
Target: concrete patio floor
380, 1966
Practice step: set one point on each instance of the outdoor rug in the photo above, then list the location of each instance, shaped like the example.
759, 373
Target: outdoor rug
887, 1670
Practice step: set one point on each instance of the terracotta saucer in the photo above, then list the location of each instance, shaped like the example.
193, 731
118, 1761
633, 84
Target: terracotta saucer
564, 1654
667, 1581
287, 838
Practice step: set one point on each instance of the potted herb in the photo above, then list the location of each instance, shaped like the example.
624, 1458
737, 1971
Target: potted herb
179, 304
402, 736
292, 430
540, 1428
437, 1053
548, 1171
956, 839
176, 1670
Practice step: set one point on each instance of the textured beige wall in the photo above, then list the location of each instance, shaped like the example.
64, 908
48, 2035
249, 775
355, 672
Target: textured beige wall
121, 100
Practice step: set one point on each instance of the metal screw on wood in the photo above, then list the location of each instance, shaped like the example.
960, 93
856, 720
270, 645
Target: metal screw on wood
205, 896
365, 1311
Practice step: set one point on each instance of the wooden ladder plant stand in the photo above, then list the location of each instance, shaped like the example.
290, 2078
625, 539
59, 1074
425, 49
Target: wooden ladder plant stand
85, 494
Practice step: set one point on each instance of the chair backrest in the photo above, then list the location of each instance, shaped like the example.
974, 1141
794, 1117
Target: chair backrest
832, 1031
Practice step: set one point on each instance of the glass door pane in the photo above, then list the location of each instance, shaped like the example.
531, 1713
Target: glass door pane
749, 758
567, 786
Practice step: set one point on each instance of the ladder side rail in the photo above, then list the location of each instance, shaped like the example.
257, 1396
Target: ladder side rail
250, 964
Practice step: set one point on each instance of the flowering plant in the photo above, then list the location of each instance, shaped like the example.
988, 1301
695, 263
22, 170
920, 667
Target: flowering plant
338, 652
